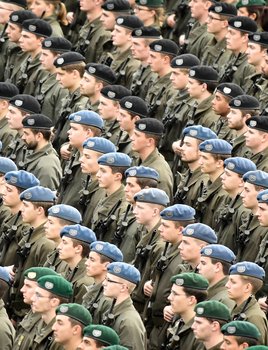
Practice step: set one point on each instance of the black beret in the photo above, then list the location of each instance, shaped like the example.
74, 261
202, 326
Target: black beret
204, 73
243, 24
116, 6
26, 103
222, 8
17, 17
146, 32
68, 58
134, 105
37, 26
258, 122
101, 71
115, 92
185, 61
259, 38
149, 126
37, 121
229, 89
129, 22
165, 46
8, 90
244, 102
57, 43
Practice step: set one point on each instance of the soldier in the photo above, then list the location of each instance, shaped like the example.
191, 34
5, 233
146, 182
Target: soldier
253, 9
150, 12
162, 51
258, 43
83, 124
100, 256
6, 165
123, 64
145, 140
70, 69
96, 77
173, 116
187, 290
91, 193
7, 91
109, 111
149, 203
223, 94
92, 36
251, 232
215, 262
59, 216
41, 159
173, 220
12, 227
14, 54
74, 249
140, 50
240, 334
112, 9
213, 154
19, 107
119, 283
132, 108
193, 180
98, 337
110, 176
51, 291
33, 247
257, 141
48, 92
128, 231
7, 333
210, 316
237, 68
216, 53
232, 213
34, 31
71, 320
26, 327
245, 280
242, 108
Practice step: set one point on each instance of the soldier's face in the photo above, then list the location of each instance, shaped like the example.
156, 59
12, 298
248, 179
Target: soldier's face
67, 251
108, 20
156, 61
108, 109
264, 66
206, 268
169, 232
179, 79
28, 290
29, 42
199, 8
237, 288
112, 286
195, 88
215, 24
139, 141
242, 11
235, 40
65, 78
145, 212
255, 54
189, 249
231, 181
106, 178
220, 104
88, 344
202, 328
253, 139
41, 301
235, 119
230, 343
77, 134
131, 188
53, 227
88, 85
47, 58
126, 121
89, 161
144, 13
30, 139
63, 330
14, 118
88, 5
178, 299
140, 50
11, 196
13, 32
39, 7
120, 36
208, 164
189, 150
262, 214
249, 196
94, 266
29, 212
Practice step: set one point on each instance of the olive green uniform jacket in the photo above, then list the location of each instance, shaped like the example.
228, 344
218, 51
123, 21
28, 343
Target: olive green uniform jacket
156, 161
6, 135
253, 85
128, 325
92, 38
261, 160
159, 93
7, 331
216, 54
4, 42
45, 165
103, 211
255, 315
55, 25
223, 131
26, 328
13, 61
142, 80
16, 150
239, 146
219, 292
262, 260
111, 130
79, 280
55, 263
42, 339
204, 114
198, 39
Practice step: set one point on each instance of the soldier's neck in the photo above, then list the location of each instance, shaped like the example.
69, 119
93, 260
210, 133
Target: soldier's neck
113, 188
94, 14
72, 263
152, 223
215, 339
193, 165
164, 71
48, 316
215, 175
144, 154
188, 315
221, 35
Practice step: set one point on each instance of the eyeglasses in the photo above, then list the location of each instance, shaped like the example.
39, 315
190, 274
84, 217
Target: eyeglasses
210, 18
112, 281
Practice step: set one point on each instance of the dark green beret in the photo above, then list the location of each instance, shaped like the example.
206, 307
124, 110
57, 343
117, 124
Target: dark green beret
190, 280
103, 334
76, 312
213, 309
